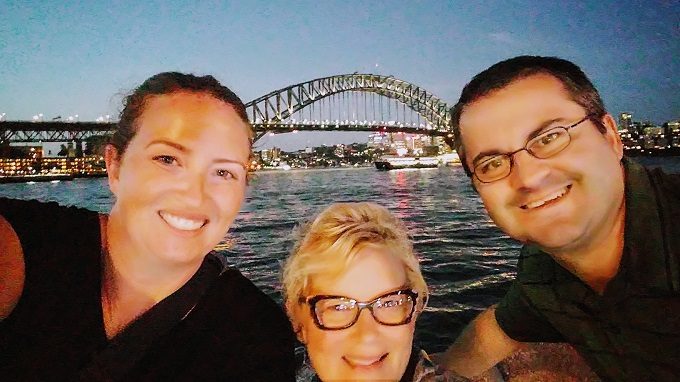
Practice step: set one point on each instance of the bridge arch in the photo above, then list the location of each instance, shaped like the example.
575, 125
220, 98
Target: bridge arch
272, 111
269, 111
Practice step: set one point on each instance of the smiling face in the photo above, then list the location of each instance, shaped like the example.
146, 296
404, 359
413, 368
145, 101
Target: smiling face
564, 203
181, 181
367, 350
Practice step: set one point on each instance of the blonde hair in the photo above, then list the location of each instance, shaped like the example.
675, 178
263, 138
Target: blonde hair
332, 240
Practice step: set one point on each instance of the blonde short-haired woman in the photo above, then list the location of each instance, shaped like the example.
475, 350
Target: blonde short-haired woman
353, 290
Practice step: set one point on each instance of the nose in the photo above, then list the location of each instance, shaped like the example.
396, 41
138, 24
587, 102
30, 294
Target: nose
366, 327
528, 172
193, 189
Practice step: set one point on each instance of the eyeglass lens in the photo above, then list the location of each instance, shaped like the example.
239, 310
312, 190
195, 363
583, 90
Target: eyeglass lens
543, 146
341, 312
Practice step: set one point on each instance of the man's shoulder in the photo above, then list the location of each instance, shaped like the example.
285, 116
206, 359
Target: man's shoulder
668, 184
664, 183
534, 265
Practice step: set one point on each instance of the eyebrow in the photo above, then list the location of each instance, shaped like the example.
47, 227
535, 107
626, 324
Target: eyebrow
185, 149
536, 132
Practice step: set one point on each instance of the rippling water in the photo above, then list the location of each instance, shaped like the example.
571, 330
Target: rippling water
467, 262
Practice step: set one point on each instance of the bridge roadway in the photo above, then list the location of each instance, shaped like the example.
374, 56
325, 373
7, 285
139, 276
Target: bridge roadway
25, 131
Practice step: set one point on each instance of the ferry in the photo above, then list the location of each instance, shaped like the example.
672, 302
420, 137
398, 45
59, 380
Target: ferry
396, 162
399, 162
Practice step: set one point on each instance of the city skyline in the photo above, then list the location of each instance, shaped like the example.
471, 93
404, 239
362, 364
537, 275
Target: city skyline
67, 59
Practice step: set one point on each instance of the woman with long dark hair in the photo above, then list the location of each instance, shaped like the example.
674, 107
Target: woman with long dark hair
137, 294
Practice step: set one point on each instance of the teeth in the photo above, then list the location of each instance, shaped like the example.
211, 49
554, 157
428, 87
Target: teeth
181, 223
548, 198
364, 361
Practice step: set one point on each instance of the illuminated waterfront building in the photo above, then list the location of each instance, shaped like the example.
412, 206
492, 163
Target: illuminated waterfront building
270, 155
85, 166
339, 151
625, 121
673, 131
378, 140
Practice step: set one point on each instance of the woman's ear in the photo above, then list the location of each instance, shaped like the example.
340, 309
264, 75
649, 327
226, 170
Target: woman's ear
112, 158
294, 312
421, 303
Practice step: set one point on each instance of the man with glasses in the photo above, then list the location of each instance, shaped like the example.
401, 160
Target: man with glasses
600, 265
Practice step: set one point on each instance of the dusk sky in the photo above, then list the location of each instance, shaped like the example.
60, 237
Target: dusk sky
65, 58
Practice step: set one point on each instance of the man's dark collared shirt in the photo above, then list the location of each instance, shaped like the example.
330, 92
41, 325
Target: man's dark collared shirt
632, 331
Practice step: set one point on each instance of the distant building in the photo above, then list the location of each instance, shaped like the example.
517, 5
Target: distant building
270, 155
398, 142
673, 133
88, 165
625, 121
28, 152
654, 137
339, 151
378, 140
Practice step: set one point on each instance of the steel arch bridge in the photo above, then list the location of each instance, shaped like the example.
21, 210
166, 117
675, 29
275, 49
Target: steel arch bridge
275, 112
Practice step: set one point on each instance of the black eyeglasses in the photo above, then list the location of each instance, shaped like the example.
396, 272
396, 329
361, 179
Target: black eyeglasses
340, 312
544, 145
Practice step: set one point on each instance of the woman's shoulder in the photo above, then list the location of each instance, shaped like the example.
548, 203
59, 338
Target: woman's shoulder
32, 216
245, 302
26, 206
248, 325
12, 270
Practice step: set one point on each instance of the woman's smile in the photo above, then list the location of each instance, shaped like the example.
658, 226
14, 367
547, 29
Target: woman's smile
183, 222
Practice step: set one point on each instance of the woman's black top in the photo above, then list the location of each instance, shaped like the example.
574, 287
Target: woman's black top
234, 333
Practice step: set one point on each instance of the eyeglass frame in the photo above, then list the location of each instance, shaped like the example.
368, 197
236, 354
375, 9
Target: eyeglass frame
511, 154
313, 300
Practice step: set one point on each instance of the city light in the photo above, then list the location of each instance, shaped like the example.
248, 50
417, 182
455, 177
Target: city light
391, 137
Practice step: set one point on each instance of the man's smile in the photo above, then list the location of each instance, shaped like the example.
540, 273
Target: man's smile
547, 199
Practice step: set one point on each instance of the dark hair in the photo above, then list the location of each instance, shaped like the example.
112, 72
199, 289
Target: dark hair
168, 83
505, 72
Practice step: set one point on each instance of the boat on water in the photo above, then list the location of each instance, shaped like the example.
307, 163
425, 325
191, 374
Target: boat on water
396, 162
399, 162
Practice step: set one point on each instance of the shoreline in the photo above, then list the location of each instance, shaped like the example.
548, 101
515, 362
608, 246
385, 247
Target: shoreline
42, 178
67, 177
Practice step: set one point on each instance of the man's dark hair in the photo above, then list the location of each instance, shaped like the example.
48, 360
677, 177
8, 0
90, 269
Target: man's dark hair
169, 83
505, 72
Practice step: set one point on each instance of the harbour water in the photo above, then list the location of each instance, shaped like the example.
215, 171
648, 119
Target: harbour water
467, 262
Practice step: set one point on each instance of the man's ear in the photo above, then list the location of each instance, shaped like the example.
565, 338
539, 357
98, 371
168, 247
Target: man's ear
612, 135
112, 159
294, 311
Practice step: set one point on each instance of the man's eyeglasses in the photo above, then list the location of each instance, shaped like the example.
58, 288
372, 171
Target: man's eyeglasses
340, 312
544, 145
